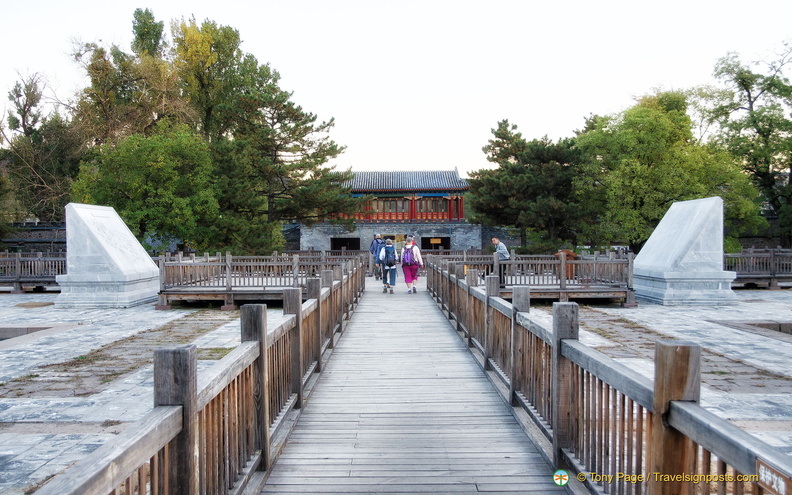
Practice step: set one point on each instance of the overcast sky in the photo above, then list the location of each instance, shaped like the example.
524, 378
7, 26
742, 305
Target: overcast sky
418, 85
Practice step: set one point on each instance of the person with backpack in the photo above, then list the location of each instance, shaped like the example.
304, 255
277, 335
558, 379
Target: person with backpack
374, 249
387, 257
411, 262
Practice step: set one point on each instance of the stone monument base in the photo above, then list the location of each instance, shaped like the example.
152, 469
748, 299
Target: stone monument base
685, 288
106, 293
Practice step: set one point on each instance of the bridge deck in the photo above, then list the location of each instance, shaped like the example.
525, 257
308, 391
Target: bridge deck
402, 407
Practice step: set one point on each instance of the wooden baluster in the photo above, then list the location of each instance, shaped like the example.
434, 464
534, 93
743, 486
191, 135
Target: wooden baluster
677, 377
176, 384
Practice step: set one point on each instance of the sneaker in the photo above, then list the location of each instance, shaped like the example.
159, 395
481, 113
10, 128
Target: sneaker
409, 291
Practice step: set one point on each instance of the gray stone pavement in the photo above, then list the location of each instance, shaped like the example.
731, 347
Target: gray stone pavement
768, 416
41, 437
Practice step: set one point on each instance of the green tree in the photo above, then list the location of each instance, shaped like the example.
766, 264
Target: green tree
268, 157
533, 188
647, 159
753, 114
208, 58
160, 185
148, 34
8, 209
42, 155
274, 165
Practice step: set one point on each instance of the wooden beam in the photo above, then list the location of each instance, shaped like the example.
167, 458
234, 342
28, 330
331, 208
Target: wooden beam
677, 378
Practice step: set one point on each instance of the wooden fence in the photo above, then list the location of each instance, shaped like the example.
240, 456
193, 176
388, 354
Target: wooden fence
219, 432
37, 269
761, 267
617, 431
556, 277
231, 278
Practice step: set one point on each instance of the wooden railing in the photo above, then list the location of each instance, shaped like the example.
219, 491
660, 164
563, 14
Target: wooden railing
616, 430
220, 431
760, 266
230, 272
31, 268
551, 270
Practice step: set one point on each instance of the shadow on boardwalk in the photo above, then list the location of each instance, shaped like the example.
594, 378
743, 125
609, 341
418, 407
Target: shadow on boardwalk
402, 407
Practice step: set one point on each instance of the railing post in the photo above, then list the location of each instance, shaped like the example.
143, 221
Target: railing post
773, 283
296, 270
521, 303
229, 296
453, 308
176, 384
348, 293
18, 272
471, 277
492, 290
565, 326
292, 305
161, 262
562, 274
314, 291
254, 329
459, 302
338, 274
677, 377
327, 281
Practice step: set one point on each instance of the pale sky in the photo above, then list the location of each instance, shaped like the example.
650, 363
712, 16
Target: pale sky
418, 85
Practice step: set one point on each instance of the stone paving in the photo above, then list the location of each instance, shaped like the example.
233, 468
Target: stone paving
40, 437
746, 375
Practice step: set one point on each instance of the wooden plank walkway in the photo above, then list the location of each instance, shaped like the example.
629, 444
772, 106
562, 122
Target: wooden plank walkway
401, 407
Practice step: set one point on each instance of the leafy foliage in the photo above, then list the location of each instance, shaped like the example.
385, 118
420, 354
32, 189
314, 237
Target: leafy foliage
532, 189
263, 160
755, 125
42, 156
647, 159
160, 185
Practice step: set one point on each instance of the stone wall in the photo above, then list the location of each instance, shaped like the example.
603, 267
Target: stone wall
463, 235
488, 232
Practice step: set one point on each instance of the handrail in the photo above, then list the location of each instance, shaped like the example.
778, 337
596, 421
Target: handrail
735, 447
601, 417
108, 466
232, 414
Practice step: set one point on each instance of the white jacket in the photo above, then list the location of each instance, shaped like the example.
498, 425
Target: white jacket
416, 253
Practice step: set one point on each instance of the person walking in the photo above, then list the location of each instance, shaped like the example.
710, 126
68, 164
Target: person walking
503, 255
374, 249
411, 262
387, 257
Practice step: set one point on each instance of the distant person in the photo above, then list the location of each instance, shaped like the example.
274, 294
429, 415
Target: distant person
387, 258
374, 249
411, 262
503, 255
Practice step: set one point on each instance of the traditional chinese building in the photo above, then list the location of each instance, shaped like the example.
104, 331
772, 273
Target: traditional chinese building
427, 204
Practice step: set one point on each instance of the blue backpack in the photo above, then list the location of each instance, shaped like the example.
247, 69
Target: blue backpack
407, 256
390, 256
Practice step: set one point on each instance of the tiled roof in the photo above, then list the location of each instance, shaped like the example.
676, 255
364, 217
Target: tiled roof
425, 180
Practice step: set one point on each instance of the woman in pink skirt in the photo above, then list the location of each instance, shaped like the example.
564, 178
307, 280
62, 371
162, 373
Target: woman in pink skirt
411, 262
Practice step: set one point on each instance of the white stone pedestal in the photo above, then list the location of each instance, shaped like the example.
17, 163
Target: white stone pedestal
106, 267
682, 262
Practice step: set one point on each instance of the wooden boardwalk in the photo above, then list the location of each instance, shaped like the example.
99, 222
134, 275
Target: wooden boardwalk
401, 407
